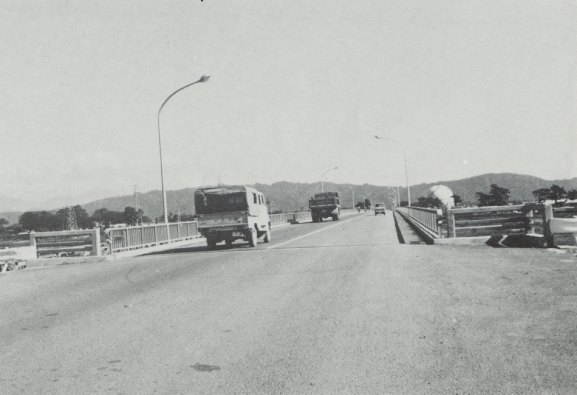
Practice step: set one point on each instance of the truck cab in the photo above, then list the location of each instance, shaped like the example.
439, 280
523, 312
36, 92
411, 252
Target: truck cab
232, 212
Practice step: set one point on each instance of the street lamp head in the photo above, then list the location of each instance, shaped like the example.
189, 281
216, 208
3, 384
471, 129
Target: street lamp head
204, 78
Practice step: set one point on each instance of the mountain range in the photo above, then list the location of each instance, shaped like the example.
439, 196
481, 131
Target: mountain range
289, 196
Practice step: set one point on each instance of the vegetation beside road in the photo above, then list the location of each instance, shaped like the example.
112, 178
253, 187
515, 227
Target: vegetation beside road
46, 221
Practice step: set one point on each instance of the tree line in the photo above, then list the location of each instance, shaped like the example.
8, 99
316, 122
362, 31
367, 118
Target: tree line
46, 221
499, 196
556, 193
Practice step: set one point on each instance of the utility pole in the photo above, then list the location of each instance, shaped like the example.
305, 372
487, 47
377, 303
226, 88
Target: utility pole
137, 208
71, 223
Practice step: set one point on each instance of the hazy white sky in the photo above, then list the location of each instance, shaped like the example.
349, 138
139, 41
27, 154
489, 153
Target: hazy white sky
297, 87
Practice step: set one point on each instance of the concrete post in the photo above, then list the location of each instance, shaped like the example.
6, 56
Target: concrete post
547, 215
33, 242
451, 231
530, 227
96, 242
32, 239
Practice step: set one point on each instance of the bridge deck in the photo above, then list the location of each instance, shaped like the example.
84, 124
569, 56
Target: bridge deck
325, 308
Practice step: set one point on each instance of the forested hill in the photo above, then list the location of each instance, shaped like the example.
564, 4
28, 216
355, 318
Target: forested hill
521, 186
290, 196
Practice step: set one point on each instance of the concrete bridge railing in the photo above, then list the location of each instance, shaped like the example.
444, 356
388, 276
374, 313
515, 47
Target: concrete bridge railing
499, 220
478, 223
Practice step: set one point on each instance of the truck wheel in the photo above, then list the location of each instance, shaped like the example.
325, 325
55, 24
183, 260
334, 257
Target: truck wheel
211, 243
335, 218
267, 236
252, 238
229, 241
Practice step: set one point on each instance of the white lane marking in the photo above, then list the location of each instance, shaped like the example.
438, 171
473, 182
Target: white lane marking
312, 233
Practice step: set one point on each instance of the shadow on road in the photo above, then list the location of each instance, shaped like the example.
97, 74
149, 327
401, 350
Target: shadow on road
188, 250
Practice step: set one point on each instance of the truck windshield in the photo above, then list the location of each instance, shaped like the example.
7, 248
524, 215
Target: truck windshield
210, 203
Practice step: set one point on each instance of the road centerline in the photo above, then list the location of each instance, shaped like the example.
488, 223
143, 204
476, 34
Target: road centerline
312, 233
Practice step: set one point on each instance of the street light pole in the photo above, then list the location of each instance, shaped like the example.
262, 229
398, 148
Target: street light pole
398, 192
406, 171
204, 78
323, 179
393, 195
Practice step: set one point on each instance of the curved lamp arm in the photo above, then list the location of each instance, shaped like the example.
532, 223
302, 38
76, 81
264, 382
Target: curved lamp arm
323, 179
202, 79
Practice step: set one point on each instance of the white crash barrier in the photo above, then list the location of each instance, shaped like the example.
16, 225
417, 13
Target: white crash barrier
563, 225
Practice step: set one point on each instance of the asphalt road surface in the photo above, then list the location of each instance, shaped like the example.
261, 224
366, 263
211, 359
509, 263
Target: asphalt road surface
325, 308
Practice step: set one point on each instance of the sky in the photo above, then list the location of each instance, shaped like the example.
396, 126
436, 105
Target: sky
296, 88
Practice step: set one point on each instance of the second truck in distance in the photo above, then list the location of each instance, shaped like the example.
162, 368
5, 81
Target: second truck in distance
325, 205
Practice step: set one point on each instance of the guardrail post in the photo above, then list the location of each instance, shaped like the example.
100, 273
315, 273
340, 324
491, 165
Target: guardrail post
33, 242
155, 234
530, 228
451, 231
32, 237
96, 242
547, 215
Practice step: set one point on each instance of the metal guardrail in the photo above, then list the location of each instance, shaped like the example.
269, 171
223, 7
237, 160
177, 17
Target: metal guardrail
302, 216
426, 217
530, 218
286, 218
278, 219
133, 237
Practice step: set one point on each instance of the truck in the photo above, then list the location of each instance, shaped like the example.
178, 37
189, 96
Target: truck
232, 212
325, 205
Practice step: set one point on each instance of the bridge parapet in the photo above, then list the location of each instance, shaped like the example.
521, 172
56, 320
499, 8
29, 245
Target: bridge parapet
499, 220
133, 237
427, 219
480, 223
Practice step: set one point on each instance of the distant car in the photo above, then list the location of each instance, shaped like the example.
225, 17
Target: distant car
380, 209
